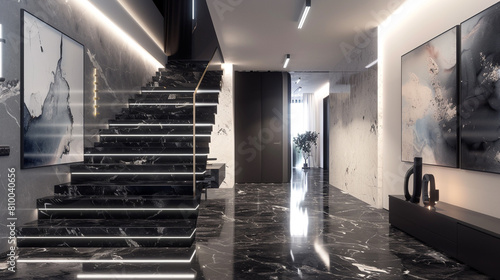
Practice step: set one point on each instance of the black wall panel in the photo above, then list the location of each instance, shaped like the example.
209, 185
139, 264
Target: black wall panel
247, 115
261, 120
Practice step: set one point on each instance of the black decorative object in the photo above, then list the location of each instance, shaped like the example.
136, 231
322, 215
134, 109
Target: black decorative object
4, 150
480, 100
416, 170
429, 197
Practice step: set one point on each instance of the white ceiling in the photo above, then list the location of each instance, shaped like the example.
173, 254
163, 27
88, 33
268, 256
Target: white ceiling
255, 35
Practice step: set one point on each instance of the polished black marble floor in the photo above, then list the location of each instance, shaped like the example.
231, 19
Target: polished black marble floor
303, 230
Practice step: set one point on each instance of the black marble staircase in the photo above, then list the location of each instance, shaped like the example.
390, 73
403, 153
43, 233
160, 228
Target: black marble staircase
135, 187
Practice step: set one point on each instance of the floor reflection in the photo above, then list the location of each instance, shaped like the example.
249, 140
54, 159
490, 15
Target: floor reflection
303, 230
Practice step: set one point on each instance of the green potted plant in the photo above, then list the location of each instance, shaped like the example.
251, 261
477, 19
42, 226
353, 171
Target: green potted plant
304, 143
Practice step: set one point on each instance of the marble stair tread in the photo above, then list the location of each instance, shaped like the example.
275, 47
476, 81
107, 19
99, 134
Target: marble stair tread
169, 145
128, 188
145, 150
206, 117
157, 130
118, 255
97, 227
159, 169
134, 202
139, 138
155, 122
166, 94
173, 110
177, 100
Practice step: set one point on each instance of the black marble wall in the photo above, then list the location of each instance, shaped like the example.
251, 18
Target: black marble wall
121, 69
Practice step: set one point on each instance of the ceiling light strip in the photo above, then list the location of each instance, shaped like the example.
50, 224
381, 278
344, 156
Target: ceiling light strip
287, 60
105, 261
304, 13
371, 63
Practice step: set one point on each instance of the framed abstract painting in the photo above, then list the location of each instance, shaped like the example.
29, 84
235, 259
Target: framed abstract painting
429, 101
480, 91
52, 88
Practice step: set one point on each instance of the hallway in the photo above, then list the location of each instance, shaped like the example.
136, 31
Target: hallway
306, 230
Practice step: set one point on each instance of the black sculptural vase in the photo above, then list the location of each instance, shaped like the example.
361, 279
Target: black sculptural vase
429, 196
416, 171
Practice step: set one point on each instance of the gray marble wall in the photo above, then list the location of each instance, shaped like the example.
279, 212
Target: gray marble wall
121, 69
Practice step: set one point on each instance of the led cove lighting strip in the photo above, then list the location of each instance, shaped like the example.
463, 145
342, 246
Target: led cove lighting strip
135, 276
88, 7
105, 261
120, 209
107, 237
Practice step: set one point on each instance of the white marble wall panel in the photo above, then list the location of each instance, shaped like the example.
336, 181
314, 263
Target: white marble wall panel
222, 145
353, 136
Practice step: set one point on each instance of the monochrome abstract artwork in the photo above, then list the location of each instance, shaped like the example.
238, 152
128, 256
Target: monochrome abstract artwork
52, 95
429, 101
480, 92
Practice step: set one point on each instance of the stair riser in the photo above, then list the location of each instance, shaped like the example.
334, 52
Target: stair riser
171, 110
123, 190
149, 139
165, 117
159, 145
141, 268
144, 160
104, 214
176, 95
157, 130
133, 242
138, 99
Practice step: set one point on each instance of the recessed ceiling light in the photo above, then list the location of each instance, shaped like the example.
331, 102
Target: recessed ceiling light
371, 64
287, 59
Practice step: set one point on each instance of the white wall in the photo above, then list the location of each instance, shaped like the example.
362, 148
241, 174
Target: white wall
420, 21
319, 95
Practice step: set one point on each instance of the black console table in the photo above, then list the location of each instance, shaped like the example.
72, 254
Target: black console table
470, 237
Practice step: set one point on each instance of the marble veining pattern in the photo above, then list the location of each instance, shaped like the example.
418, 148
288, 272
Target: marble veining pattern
353, 135
303, 230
